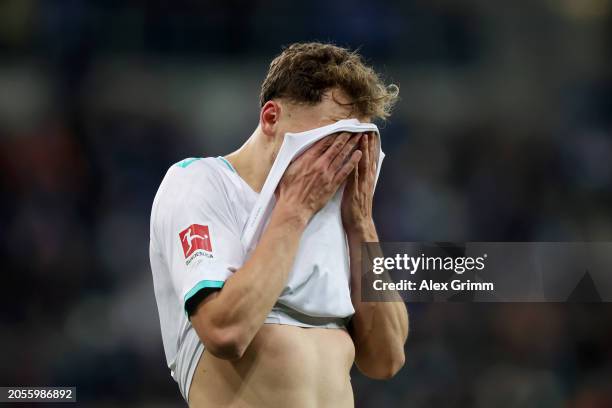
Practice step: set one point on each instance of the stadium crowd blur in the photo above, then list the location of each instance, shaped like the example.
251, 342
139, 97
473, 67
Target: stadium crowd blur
503, 133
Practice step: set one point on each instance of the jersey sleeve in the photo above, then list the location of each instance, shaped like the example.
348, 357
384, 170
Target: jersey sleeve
199, 236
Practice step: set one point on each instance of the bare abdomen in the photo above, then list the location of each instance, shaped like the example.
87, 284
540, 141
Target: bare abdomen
283, 366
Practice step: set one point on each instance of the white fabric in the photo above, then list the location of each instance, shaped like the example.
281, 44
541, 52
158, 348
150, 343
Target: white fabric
319, 282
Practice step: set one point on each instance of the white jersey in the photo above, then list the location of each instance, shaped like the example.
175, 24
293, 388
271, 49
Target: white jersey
197, 220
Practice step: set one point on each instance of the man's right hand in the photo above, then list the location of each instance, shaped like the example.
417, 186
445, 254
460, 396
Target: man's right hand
315, 176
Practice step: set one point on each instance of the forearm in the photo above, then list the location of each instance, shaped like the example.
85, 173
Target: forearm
247, 297
379, 329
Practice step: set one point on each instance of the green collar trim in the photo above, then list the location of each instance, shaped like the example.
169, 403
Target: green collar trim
227, 163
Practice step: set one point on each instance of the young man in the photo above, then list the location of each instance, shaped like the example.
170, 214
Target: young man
227, 342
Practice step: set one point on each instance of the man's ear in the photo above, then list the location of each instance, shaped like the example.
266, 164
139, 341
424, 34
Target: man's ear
269, 117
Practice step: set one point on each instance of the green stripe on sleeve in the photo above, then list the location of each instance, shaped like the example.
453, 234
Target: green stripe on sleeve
204, 284
201, 285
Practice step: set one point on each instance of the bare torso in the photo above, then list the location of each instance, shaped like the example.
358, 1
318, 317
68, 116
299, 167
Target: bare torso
284, 366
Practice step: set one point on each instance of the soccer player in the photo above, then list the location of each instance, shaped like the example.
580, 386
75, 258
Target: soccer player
228, 343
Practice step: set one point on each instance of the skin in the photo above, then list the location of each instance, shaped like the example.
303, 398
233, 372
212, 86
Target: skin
251, 364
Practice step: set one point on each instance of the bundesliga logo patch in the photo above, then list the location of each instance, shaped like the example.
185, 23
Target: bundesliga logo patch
195, 237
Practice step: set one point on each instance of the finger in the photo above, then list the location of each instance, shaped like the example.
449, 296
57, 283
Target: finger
374, 147
320, 146
346, 151
348, 167
374, 140
363, 163
336, 147
356, 172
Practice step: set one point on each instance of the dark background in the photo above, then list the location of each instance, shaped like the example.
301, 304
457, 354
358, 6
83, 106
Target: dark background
503, 133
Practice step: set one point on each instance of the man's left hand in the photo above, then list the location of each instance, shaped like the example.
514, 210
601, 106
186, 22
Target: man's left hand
359, 190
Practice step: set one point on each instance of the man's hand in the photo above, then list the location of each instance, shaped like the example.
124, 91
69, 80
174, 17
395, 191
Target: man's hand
359, 190
314, 177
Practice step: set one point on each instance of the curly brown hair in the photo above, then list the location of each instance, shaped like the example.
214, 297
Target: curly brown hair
303, 72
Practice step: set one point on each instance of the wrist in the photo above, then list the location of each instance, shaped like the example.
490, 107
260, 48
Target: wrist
292, 215
363, 231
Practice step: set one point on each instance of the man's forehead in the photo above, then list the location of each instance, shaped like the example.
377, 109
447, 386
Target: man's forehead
341, 106
336, 104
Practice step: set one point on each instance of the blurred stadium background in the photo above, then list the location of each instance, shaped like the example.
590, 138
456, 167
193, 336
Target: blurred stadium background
503, 133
